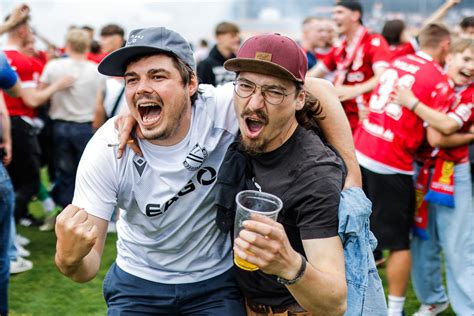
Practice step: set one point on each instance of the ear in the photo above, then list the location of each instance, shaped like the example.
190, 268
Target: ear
355, 16
300, 100
193, 84
449, 58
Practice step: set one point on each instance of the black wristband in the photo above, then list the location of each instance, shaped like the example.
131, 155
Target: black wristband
415, 104
298, 276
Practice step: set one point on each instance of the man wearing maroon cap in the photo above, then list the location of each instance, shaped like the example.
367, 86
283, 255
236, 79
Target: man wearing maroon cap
301, 251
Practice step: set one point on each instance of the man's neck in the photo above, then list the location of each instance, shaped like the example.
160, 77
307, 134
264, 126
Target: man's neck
14, 42
306, 45
77, 56
350, 34
433, 54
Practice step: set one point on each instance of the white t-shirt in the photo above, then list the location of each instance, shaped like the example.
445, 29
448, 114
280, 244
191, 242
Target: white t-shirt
167, 231
76, 103
113, 89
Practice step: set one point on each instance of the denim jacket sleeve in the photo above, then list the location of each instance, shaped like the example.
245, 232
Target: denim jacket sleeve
365, 294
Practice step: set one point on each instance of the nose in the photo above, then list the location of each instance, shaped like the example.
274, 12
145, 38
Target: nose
143, 87
256, 100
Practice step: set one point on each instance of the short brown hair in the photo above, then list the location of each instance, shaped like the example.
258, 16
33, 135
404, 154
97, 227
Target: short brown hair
112, 29
78, 40
432, 35
467, 22
459, 45
226, 27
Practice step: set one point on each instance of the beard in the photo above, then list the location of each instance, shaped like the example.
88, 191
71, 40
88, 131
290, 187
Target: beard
254, 147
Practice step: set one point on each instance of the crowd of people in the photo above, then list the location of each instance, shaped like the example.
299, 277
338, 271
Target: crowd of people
360, 134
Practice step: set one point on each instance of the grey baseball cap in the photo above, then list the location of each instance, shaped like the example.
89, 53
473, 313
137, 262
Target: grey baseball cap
147, 41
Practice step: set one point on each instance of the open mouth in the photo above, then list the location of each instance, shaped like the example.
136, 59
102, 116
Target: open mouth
465, 73
254, 126
150, 112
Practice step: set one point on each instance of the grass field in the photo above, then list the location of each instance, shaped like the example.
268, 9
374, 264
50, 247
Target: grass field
44, 291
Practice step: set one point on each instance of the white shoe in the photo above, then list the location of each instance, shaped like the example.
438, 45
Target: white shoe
22, 240
22, 252
20, 265
431, 310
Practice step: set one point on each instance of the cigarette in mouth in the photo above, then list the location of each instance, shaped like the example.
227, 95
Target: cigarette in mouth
130, 141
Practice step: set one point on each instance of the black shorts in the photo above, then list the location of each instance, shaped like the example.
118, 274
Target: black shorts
393, 208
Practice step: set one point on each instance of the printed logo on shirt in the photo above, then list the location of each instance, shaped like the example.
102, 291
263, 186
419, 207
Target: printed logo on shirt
196, 157
140, 164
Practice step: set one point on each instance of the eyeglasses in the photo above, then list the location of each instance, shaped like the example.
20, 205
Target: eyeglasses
271, 94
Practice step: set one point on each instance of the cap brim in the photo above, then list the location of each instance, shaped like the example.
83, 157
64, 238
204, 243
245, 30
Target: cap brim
259, 66
116, 62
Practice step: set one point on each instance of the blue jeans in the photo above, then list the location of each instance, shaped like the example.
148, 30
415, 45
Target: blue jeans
450, 230
12, 250
126, 294
7, 200
70, 140
365, 294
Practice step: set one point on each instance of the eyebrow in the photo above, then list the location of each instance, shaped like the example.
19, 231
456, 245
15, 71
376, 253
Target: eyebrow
268, 86
149, 72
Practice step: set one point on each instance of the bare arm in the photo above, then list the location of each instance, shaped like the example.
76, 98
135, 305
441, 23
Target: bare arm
318, 71
437, 120
80, 243
34, 97
99, 115
264, 243
19, 14
336, 127
436, 139
439, 14
346, 92
5, 140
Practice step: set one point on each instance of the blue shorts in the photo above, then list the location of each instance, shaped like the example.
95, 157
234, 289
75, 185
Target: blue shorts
126, 294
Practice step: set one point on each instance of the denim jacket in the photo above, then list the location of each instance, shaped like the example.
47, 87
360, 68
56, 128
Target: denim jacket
365, 293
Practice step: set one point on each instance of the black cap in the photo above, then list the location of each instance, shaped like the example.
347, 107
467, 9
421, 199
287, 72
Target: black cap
351, 5
147, 41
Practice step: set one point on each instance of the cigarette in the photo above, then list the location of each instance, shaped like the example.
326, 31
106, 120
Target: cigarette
130, 141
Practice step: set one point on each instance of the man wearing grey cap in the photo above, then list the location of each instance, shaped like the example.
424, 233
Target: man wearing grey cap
171, 256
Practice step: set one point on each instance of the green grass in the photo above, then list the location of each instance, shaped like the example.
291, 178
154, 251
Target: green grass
45, 291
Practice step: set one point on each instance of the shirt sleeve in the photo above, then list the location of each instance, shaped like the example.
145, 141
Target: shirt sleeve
97, 176
8, 76
329, 61
380, 52
320, 196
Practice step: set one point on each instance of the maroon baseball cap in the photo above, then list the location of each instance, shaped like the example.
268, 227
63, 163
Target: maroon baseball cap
271, 54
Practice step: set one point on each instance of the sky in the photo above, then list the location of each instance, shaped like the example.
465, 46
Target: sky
193, 19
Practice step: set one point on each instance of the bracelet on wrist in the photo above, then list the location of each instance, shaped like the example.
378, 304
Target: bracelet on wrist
298, 276
414, 105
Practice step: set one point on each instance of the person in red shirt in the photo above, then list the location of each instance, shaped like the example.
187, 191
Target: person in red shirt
357, 61
24, 168
450, 149
399, 41
386, 143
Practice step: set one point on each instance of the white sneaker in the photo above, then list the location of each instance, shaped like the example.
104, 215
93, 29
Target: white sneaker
431, 310
22, 240
21, 251
20, 265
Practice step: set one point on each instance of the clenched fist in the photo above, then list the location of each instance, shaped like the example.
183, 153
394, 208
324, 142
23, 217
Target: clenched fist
76, 235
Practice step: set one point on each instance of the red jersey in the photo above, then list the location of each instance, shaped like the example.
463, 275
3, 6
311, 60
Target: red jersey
391, 134
463, 113
96, 58
321, 53
29, 71
401, 50
369, 52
